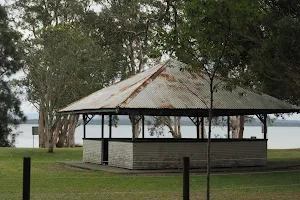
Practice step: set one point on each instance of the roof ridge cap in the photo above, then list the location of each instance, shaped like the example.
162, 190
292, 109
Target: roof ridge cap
153, 76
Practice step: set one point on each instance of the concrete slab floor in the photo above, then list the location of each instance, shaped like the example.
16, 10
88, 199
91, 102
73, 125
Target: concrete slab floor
106, 168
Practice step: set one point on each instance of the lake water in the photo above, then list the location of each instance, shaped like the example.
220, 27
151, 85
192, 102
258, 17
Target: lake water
278, 137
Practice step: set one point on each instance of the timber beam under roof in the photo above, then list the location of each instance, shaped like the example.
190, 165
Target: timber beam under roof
178, 112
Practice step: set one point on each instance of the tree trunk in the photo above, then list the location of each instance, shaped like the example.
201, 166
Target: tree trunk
136, 125
50, 139
242, 123
55, 135
204, 129
66, 129
60, 143
237, 126
208, 168
71, 134
42, 130
57, 131
176, 132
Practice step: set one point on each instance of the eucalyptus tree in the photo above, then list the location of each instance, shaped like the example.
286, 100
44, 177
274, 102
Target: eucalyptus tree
63, 63
126, 30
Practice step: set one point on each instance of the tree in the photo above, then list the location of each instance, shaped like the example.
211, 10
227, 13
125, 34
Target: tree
276, 61
63, 63
122, 29
157, 123
126, 29
67, 67
209, 38
34, 17
10, 63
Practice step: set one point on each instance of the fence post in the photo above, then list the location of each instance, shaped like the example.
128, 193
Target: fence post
186, 178
26, 178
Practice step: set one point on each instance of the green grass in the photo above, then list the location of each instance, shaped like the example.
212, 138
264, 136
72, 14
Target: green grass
290, 156
53, 180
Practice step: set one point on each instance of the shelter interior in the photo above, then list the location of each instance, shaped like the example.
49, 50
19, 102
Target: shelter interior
167, 153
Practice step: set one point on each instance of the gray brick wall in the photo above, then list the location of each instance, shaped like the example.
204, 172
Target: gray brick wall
161, 155
92, 151
120, 154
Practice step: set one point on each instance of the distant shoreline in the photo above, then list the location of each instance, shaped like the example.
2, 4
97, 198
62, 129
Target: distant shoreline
187, 122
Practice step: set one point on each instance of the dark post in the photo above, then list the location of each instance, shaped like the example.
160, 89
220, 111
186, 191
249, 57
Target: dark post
133, 123
265, 126
26, 178
84, 128
197, 124
186, 178
228, 127
202, 127
110, 125
102, 132
143, 124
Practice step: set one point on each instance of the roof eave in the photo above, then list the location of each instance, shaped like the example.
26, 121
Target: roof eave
178, 112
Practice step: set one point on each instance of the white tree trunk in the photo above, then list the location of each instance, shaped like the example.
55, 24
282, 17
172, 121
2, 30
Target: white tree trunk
237, 126
71, 135
204, 129
42, 130
136, 125
65, 131
176, 132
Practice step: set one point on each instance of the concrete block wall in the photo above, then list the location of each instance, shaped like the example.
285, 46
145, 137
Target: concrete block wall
162, 155
120, 154
92, 151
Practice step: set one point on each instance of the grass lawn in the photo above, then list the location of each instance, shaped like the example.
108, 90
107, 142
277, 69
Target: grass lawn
53, 180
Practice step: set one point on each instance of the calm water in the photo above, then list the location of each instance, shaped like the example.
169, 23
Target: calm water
279, 137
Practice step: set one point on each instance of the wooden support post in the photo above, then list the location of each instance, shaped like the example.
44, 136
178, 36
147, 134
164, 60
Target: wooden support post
186, 178
102, 127
84, 128
228, 127
202, 127
133, 124
143, 128
26, 178
265, 126
197, 124
110, 126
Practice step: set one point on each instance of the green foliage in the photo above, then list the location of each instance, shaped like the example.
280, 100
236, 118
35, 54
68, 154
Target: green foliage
212, 34
35, 14
126, 30
277, 63
71, 64
10, 63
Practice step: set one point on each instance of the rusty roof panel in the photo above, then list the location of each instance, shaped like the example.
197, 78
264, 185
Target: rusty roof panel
167, 86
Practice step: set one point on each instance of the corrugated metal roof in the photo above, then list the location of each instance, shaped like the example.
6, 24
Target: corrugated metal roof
167, 86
